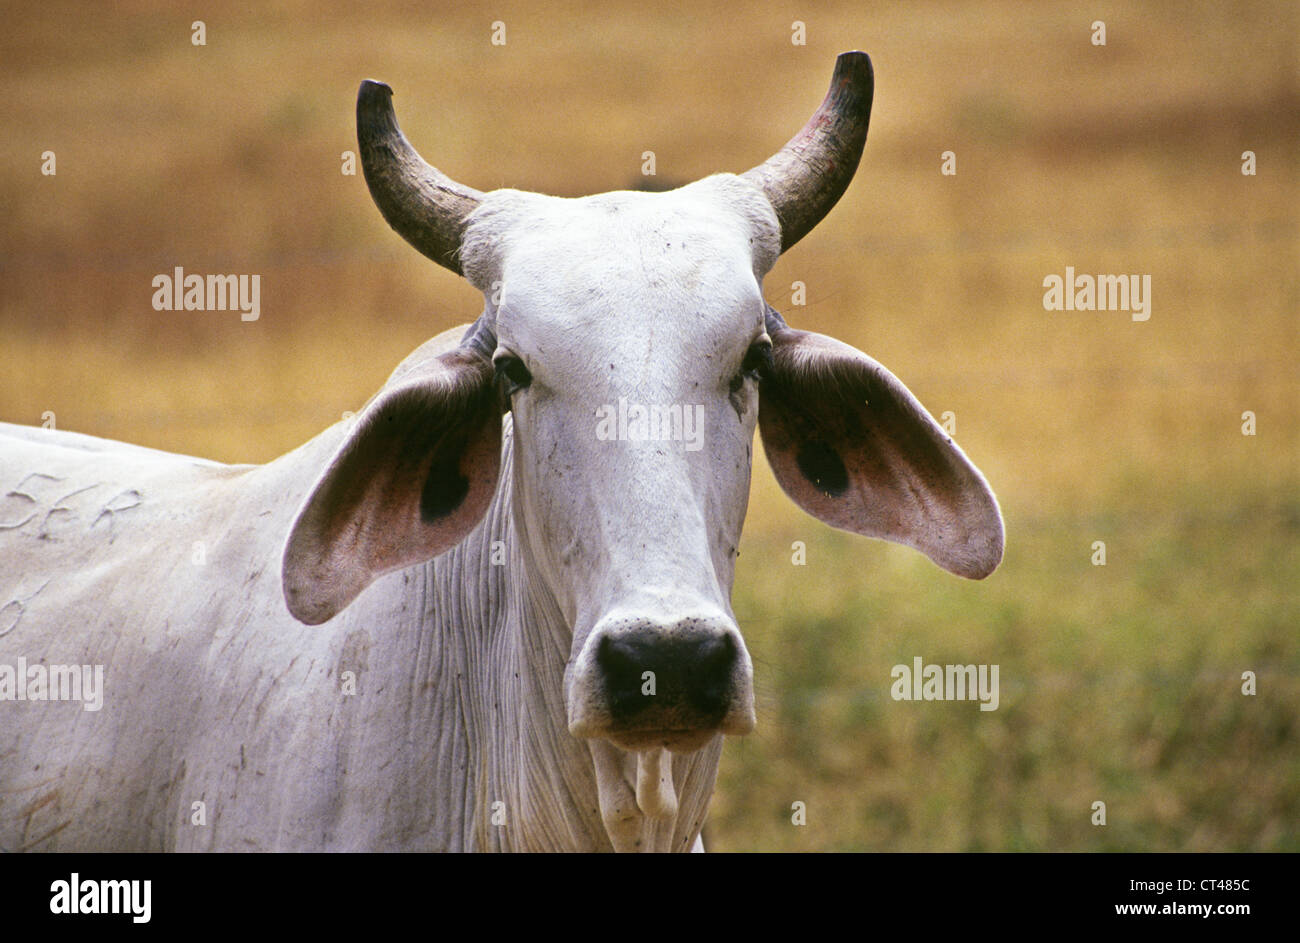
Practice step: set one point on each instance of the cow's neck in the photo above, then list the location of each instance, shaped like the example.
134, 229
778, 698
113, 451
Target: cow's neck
544, 789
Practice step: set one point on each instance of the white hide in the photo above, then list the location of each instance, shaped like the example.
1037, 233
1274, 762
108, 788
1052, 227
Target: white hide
658, 303
458, 736
479, 720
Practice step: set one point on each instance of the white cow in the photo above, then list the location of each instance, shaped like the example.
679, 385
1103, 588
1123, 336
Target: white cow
437, 627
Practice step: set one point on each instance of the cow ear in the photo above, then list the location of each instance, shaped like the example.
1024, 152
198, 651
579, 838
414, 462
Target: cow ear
413, 478
853, 447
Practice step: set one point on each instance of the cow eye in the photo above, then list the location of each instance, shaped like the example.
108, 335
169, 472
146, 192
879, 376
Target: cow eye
758, 359
512, 373
756, 365
757, 362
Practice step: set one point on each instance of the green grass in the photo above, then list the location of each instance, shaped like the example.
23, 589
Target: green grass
1119, 683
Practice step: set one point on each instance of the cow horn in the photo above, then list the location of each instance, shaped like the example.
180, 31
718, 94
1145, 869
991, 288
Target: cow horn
424, 205
805, 178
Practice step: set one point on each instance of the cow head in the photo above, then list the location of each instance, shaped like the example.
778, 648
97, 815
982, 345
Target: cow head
628, 334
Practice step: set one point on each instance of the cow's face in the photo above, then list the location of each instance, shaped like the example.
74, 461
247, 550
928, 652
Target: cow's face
628, 334
632, 370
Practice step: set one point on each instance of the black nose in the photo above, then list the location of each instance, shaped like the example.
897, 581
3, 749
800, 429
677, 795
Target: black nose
678, 680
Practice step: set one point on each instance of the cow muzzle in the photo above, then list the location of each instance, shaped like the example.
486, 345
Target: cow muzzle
644, 684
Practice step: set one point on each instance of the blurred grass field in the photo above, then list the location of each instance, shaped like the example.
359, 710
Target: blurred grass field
1119, 683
